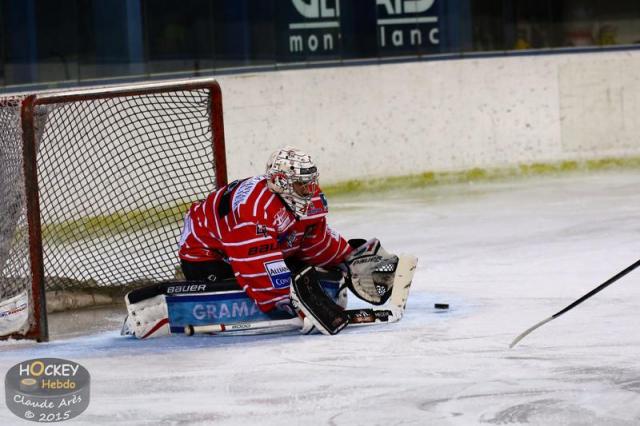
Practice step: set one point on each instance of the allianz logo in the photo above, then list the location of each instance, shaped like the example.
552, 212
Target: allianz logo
279, 270
318, 28
402, 23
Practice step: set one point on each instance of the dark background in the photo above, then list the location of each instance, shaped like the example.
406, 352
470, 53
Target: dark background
66, 42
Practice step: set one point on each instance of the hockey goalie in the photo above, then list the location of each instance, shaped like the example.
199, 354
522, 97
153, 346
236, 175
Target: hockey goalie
258, 253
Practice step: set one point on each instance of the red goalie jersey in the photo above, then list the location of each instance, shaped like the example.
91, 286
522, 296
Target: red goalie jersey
250, 227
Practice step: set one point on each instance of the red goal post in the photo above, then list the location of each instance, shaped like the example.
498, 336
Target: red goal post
97, 203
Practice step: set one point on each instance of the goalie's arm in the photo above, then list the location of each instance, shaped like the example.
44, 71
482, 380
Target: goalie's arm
323, 246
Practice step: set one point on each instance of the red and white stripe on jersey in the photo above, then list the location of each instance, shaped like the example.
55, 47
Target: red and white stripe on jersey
251, 227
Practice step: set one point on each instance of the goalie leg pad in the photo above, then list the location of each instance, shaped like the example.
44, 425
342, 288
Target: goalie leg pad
319, 310
147, 318
14, 314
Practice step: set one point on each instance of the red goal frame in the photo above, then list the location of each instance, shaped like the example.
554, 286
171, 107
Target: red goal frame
39, 327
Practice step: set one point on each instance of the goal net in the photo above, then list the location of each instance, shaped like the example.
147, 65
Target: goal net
94, 185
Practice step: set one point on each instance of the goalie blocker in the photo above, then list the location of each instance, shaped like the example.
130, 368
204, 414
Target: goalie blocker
371, 273
308, 298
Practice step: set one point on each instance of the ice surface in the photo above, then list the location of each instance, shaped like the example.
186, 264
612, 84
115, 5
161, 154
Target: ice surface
503, 255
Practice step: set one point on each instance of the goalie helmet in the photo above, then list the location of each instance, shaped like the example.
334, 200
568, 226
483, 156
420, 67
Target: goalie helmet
292, 174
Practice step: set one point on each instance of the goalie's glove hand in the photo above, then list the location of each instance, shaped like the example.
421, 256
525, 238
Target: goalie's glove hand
370, 271
354, 243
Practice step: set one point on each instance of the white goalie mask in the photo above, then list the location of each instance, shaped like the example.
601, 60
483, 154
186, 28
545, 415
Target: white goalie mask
292, 174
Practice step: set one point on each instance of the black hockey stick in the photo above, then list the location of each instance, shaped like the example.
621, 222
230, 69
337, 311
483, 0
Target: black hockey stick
576, 303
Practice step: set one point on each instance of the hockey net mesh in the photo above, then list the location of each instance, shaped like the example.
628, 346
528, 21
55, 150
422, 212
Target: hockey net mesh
115, 177
15, 271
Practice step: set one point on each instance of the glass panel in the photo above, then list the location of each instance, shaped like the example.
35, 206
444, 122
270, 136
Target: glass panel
20, 31
487, 28
359, 29
231, 35
578, 19
262, 21
454, 32
531, 26
110, 39
3, 42
618, 23
555, 25
57, 41
244, 32
178, 35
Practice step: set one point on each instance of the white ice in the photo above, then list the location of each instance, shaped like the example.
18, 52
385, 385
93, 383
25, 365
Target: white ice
504, 255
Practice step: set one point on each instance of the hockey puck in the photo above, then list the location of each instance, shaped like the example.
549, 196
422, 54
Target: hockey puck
441, 306
188, 330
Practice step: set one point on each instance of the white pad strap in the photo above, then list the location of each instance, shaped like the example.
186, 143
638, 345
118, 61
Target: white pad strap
147, 318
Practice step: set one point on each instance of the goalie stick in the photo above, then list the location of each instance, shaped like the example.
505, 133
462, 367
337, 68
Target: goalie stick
274, 325
356, 317
366, 316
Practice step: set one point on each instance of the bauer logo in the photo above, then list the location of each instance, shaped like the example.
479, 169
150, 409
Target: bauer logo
189, 288
47, 389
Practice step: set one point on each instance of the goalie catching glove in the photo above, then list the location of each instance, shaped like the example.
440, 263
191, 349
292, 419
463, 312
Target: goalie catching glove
371, 271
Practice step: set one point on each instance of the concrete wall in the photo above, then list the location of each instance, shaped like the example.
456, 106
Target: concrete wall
396, 119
